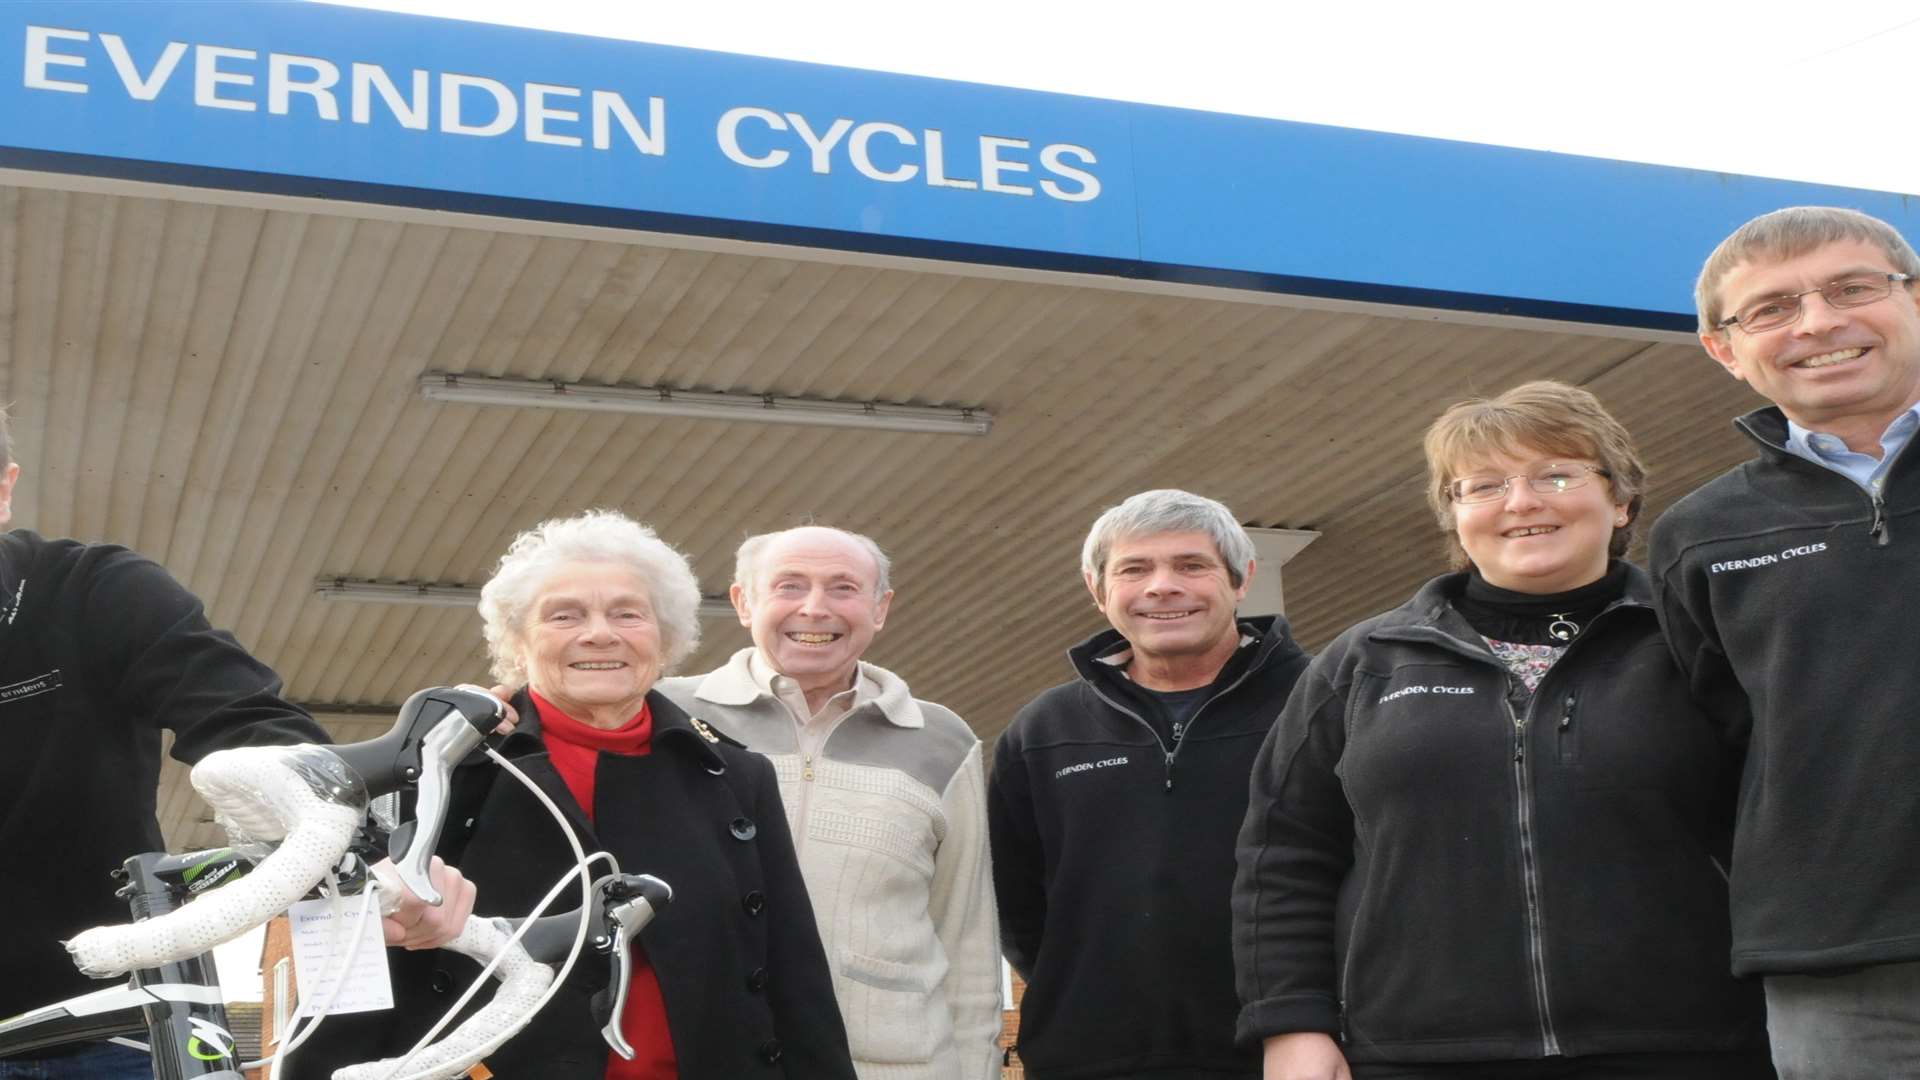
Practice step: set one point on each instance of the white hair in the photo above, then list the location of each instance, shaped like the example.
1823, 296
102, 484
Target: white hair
746, 561
597, 536
1167, 510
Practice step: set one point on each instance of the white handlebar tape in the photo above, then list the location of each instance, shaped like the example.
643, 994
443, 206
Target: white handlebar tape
522, 981
261, 790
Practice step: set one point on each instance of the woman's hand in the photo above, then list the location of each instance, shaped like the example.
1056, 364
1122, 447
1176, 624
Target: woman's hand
1305, 1055
420, 925
505, 694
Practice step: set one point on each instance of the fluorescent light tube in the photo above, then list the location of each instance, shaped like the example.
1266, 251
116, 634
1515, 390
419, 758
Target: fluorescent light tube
704, 405
429, 594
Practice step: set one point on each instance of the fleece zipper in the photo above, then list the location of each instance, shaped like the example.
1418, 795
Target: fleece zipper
1530, 870
1167, 755
1878, 529
1523, 796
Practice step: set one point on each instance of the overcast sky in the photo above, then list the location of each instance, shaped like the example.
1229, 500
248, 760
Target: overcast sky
1761, 87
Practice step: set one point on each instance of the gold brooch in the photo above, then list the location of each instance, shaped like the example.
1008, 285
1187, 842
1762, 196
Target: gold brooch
706, 732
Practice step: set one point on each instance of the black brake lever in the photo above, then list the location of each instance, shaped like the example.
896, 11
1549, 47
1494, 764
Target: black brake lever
623, 904
437, 727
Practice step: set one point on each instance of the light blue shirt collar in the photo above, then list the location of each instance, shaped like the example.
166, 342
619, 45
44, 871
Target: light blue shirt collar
1863, 469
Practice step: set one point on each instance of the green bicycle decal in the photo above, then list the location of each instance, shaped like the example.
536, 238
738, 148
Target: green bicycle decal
209, 1036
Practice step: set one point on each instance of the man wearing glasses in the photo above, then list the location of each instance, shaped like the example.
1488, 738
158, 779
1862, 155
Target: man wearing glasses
1775, 583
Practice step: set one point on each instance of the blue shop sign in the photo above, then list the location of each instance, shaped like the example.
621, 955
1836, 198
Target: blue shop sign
374, 107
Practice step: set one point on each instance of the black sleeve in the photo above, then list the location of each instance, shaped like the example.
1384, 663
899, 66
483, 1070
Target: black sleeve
168, 668
1686, 617
806, 1017
1019, 862
1295, 849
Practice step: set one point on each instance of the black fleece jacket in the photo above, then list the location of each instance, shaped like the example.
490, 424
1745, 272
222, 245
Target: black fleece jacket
1783, 588
100, 651
1436, 876
1113, 861
745, 982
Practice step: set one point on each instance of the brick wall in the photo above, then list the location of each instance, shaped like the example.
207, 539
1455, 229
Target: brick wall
1010, 1031
277, 945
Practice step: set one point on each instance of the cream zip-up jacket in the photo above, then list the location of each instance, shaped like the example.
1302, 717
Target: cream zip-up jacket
888, 814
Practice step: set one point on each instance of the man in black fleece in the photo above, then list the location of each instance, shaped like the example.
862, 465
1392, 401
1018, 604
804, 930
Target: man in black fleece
100, 650
1115, 799
1781, 586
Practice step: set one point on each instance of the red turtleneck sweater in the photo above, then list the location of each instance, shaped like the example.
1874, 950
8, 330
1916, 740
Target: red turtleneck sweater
575, 750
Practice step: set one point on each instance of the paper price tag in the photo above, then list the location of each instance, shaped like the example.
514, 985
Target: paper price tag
322, 937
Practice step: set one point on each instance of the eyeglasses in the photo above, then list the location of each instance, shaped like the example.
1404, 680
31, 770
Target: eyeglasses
1551, 479
1774, 312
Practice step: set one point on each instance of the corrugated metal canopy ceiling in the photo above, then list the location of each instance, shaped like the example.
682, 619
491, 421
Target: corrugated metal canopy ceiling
232, 392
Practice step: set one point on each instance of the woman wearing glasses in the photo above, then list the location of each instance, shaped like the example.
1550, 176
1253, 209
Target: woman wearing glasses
1488, 834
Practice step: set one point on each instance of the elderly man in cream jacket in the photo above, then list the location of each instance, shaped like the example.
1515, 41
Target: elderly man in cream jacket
886, 798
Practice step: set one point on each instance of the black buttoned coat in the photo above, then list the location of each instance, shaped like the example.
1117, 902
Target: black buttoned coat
747, 988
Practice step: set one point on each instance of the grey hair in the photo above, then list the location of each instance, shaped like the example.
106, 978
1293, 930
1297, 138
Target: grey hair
746, 561
607, 536
1785, 234
1164, 511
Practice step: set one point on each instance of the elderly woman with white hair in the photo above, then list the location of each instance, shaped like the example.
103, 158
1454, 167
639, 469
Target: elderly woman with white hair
585, 613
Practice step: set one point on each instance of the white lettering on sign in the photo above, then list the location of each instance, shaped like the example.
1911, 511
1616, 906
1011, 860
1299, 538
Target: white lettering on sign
650, 140
225, 78
454, 98
1050, 158
821, 145
142, 87
209, 77
475, 105
320, 79
411, 112
729, 136
540, 114
40, 57
991, 165
937, 163
859, 152
761, 138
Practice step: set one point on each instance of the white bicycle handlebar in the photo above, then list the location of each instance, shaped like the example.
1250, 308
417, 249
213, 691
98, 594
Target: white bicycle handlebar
257, 793
523, 981
310, 802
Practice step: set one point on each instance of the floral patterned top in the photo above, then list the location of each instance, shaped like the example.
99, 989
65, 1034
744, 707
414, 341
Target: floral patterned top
1527, 662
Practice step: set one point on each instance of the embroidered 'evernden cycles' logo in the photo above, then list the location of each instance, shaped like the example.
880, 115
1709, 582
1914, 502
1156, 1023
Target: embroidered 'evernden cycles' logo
12, 607
26, 688
1424, 690
1105, 763
1768, 559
